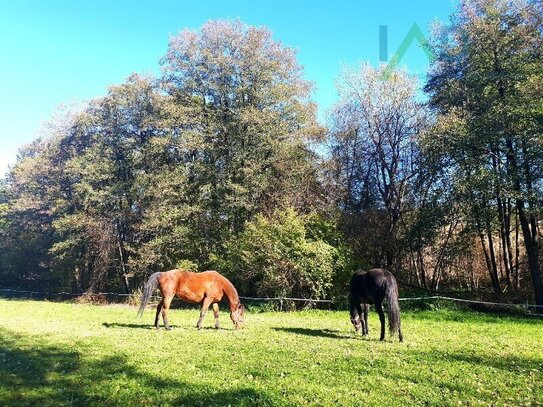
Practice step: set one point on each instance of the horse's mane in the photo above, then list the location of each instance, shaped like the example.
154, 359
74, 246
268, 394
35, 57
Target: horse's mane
230, 292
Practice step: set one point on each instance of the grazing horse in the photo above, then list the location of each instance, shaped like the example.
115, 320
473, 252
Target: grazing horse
373, 287
207, 288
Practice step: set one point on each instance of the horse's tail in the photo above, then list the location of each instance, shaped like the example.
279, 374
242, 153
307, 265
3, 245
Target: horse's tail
148, 291
394, 323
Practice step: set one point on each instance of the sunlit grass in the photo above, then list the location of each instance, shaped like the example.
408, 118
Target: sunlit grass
68, 354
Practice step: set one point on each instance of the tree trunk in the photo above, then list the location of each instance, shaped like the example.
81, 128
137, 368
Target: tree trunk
123, 260
516, 280
527, 224
532, 252
490, 262
503, 218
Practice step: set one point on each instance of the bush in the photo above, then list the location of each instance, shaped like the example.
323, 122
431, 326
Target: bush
285, 255
187, 265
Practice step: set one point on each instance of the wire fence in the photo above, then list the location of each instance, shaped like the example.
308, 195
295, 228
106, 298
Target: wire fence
59, 294
526, 307
283, 300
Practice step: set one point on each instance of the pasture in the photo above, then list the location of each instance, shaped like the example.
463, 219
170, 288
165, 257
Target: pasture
77, 354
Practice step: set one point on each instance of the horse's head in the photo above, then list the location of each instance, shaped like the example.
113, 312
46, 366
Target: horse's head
237, 316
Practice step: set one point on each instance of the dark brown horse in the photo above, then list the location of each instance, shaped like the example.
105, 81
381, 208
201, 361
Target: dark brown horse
207, 288
373, 287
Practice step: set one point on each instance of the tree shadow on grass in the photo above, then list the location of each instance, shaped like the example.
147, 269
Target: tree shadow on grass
323, 333
42, 375
434, 369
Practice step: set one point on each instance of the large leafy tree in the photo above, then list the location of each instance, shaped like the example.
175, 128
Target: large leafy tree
163, 170
375, 157
489, 130
103, 210
26, 232
79, 186
241, 117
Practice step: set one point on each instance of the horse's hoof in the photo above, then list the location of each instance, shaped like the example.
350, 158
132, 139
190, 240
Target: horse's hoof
168, 328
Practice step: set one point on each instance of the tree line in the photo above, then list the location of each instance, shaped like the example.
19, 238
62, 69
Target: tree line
220, 162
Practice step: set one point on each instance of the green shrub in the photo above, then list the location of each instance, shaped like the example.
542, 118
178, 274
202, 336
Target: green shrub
187, 265
288, 255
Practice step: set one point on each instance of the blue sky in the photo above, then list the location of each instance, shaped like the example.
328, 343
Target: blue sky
59, 52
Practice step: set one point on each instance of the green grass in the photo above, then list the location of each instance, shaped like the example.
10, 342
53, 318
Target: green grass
73, 354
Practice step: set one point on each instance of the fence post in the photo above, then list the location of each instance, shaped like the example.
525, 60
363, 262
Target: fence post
281, 304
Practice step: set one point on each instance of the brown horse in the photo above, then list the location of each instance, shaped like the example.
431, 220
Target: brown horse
207, 288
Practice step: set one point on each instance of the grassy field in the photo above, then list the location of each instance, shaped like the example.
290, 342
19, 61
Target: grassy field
74, 354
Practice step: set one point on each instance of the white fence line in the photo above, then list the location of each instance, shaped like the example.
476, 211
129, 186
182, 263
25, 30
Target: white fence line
281, 299
62, 293
440, 297
284, 299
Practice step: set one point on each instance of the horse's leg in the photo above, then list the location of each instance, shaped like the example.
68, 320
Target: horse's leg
167, 301
203, 311
379, 308
158, 309
359, 309
216, 314
364, 318
355, 316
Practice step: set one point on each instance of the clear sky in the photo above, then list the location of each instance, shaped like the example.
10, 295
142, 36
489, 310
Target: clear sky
60, 52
